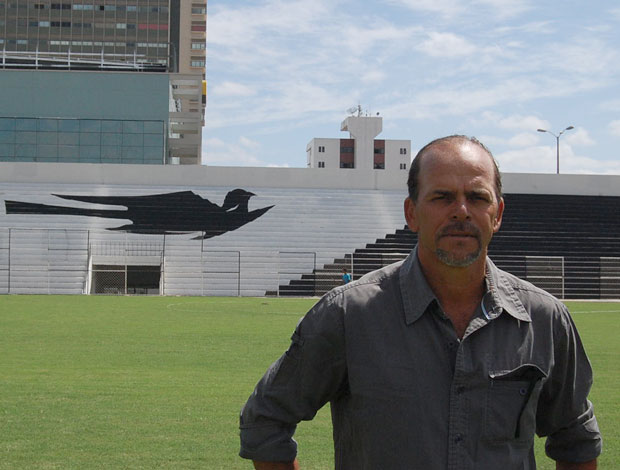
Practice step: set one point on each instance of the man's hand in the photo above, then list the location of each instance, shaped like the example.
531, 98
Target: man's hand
591, 465
276, 465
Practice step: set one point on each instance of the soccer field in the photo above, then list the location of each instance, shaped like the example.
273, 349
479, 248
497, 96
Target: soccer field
157, 382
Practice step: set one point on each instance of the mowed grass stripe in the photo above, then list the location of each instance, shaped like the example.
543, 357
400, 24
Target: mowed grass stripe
157, 382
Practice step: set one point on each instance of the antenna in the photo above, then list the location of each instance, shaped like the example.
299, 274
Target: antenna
355, 109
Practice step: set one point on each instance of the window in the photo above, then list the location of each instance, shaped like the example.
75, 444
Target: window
197, 63
403, 151
199, 26
403, 166
379, 166
198, 45
321, 148
347, 149
321, 164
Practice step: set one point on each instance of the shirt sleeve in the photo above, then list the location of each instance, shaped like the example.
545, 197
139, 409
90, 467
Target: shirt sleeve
309, 374
565, 414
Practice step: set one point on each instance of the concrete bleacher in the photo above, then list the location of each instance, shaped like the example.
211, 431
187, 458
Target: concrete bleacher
568, 245
320, 222
304, 229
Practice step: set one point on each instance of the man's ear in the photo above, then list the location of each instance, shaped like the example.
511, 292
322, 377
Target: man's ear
498, 219
410, 217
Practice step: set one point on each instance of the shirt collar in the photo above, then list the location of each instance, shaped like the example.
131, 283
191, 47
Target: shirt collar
417, 294
502, 295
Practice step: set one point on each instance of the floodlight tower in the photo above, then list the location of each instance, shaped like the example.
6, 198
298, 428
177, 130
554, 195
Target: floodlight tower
557, 142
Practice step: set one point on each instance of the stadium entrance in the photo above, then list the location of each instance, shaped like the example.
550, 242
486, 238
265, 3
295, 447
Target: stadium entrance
125, 279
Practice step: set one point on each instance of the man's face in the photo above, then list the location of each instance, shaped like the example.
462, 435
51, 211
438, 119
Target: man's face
457, 211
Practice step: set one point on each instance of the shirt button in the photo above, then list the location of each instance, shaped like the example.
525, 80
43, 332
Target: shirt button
458, 438
460, 389
452, 345
523, 391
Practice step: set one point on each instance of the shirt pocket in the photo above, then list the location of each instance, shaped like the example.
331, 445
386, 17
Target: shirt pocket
512, 398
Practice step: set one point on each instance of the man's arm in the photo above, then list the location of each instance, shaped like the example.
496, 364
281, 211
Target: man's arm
276, 465
591, 465
309, 374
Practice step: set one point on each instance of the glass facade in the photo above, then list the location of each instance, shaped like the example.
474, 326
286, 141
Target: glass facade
82, 140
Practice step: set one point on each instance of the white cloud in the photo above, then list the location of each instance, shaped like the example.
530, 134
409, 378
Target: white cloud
446, 45
610, 105
614, 128
543, 159
248, 143
535, 27
514, 122
292, 66
454, 9
578, 136
448, 8
373, 76
232, 89
526, 159
507, 8
358, 39
523, 139
582, 164
241, 153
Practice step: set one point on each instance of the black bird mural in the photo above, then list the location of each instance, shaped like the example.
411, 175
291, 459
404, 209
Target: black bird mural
171, 213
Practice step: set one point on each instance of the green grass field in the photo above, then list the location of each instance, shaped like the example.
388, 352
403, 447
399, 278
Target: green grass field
157, 382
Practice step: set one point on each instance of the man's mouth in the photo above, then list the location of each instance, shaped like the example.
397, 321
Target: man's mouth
460, 230
459, 235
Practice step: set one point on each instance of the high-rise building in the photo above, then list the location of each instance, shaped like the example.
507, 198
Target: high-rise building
106, 37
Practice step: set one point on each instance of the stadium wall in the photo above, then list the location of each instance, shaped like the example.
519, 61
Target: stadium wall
64, 228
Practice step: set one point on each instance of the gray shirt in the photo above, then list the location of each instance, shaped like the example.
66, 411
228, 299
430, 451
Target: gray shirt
407, 393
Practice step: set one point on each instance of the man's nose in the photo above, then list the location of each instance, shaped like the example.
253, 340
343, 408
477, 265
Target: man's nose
461, 209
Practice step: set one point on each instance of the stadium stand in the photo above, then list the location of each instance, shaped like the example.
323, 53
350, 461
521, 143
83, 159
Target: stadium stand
568, 245
56, 236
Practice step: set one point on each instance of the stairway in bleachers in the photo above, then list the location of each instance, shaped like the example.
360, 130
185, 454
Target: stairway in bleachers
581, 232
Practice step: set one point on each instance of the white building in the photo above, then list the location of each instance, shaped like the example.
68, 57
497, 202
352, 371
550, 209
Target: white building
361, 150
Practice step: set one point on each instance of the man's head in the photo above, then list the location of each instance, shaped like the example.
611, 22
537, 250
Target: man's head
414, 171
455, 202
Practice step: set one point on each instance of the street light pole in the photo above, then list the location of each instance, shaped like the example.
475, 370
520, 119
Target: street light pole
557, 144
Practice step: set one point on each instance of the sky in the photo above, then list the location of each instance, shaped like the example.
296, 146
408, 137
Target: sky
282, 72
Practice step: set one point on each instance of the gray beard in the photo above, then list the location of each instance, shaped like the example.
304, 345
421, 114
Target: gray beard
447, 258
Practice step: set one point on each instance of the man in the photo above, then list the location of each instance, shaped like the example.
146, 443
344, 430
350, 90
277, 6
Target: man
442, 361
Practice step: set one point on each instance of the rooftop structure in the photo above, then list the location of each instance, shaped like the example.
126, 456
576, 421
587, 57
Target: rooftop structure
361, 150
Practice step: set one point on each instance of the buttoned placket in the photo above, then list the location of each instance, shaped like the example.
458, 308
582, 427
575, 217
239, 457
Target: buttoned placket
458, 431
